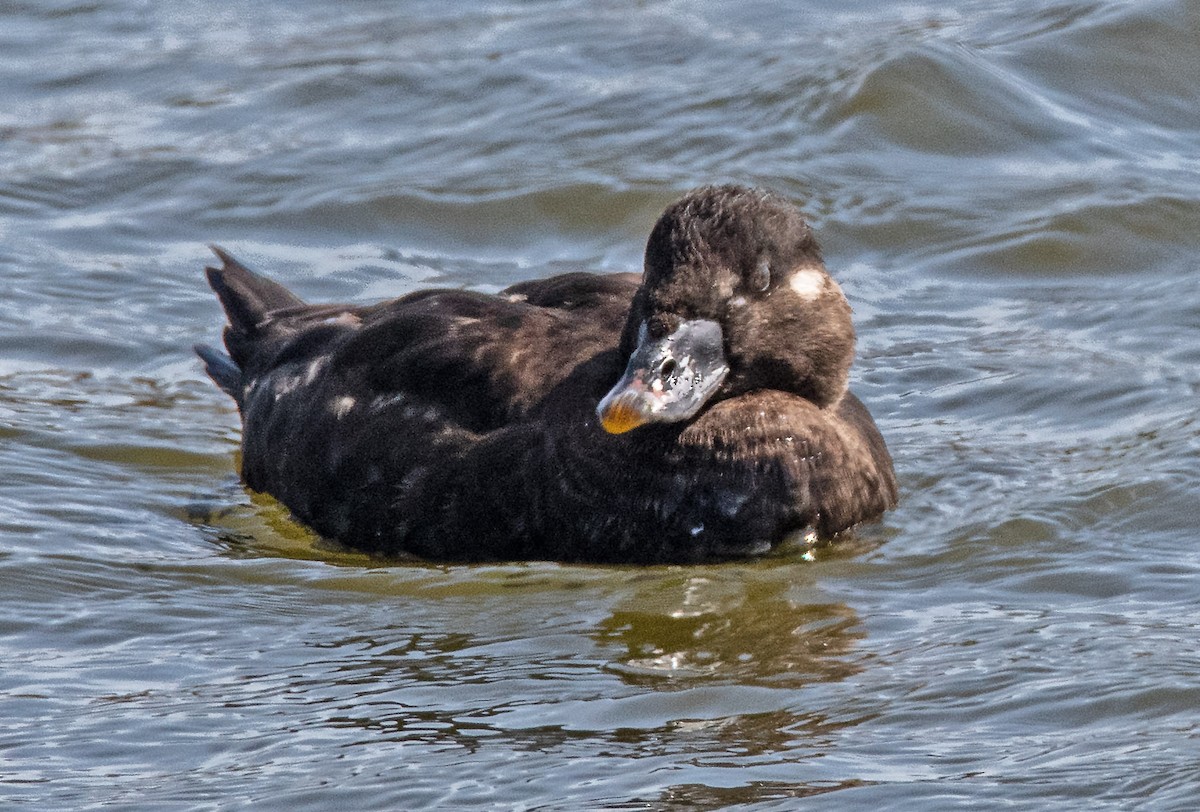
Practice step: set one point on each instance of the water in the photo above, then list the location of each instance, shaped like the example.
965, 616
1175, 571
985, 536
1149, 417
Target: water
1008, 193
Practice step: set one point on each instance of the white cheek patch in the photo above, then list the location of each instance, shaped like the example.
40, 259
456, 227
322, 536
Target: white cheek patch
808, 283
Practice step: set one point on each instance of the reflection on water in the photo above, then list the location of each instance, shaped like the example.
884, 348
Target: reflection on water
702, 796
752, 631
705, 664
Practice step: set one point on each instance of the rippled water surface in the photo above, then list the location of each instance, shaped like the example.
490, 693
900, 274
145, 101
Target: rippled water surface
1009, 194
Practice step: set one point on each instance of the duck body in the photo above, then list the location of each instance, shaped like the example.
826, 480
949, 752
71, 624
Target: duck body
699, 412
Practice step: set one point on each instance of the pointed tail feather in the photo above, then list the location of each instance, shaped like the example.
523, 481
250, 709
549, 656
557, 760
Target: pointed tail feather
221, 368
249, 301
247, 297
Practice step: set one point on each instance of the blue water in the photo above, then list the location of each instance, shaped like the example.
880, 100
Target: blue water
1009, 195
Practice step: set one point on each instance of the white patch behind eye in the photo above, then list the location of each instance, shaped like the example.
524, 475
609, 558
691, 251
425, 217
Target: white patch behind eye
809, 283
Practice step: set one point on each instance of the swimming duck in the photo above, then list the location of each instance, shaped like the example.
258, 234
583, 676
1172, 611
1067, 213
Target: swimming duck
697, 412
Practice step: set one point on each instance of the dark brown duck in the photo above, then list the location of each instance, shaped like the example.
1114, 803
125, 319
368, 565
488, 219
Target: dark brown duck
700, 412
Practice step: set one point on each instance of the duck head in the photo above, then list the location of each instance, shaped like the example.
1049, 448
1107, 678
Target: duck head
734, 297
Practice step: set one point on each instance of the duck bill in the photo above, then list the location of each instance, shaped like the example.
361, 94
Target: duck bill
668, 379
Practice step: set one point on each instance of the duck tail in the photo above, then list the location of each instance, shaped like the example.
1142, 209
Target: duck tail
249, 301
248, 298
221, 368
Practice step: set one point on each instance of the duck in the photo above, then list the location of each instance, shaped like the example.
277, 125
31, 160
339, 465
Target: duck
696, 412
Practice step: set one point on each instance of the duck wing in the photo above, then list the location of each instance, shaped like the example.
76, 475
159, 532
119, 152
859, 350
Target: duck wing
483, 359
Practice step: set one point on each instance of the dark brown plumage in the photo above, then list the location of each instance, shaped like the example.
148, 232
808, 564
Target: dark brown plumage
461, 426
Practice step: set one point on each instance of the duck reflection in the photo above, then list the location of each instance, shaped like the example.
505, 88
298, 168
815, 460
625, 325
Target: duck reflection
739, 626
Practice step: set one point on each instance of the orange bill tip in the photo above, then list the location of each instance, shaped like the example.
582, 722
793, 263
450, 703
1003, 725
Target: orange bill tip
620, 416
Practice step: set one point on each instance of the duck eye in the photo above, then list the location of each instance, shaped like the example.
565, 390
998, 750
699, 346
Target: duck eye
761, 279
668, 368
